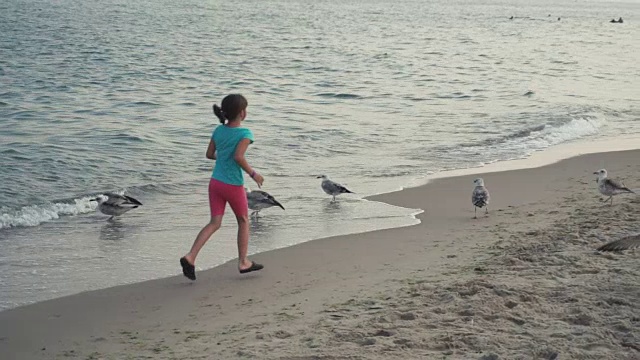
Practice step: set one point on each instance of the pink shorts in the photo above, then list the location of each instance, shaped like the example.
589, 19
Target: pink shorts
220, 194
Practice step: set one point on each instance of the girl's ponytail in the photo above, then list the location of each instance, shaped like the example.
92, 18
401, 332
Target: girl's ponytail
232, 105
219, 113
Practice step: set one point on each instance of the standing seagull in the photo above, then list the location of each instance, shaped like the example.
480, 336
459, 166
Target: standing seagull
480, 197
609, 187
333, 188
115, 204
259, 200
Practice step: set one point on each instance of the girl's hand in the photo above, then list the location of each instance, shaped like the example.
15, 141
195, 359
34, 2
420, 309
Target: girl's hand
258, 179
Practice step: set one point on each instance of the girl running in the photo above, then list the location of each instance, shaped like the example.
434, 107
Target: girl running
227, 182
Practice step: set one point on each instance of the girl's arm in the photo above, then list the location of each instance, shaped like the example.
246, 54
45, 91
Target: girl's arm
211, 150
240, 159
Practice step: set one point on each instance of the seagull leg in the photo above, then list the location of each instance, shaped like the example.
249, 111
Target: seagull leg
334, 198
475, 211
611, 198
486, 211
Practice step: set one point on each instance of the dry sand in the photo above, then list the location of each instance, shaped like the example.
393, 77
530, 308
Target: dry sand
523, 283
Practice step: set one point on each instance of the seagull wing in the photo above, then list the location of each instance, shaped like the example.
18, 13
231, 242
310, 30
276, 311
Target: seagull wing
132, 201
480, 196
255, 195
626, 243
344, 189
263, 197
335, 188
270, 199
616, 185
119, 200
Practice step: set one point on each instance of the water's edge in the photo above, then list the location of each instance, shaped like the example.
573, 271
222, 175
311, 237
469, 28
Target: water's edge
536, 160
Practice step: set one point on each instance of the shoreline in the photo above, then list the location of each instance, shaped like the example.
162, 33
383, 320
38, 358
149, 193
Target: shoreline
301, 284
537, 159
548, 156
410, 215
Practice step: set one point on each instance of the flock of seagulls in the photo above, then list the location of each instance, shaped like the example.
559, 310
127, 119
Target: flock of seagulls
258, 199
115, 204
606, 186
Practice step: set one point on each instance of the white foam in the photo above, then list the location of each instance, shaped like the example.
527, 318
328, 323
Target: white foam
574, 129
34, 215
541, 158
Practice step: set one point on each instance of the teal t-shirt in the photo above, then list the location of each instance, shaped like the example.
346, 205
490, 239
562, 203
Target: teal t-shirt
226, 139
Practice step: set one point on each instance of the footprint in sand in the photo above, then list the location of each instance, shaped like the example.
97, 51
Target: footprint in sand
384, 333
407, 316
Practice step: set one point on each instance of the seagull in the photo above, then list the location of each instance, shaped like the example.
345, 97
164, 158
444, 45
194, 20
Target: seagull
259, 200
626, 243
609, 187
115, 204
480, 197
333, 188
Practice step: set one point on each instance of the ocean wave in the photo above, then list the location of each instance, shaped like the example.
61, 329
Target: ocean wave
340, 95
574, 129
391, 173
517, 144
545, 135
34, 215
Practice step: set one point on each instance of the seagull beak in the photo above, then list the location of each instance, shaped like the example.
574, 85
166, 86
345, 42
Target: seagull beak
595, 173
96, 199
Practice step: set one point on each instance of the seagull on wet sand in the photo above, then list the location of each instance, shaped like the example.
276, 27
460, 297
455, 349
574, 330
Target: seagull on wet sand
480, 197
259, 200
333, 188
609, 187
115, 204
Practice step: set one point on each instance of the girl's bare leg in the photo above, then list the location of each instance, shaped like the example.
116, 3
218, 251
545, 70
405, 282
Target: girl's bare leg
203, 236
243, 242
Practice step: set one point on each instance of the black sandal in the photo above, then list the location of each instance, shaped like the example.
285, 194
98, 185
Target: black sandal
254, 267
188, 270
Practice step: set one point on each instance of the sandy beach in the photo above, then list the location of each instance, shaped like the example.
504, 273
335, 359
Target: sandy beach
523, 283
